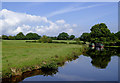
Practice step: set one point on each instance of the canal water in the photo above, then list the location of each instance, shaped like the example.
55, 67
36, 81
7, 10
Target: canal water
94, 65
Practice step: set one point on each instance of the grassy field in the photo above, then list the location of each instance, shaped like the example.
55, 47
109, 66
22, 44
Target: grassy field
20, 55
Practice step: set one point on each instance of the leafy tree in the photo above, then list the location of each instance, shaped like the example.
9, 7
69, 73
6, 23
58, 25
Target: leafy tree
95, 31
85, 37
11, 37
45, 39
102, 25
100, 30
102, 39
63, 36
5, 37
71, 37
118, 35
54, 38
32, 36
20, 36
113, 37
101, 33
105, 32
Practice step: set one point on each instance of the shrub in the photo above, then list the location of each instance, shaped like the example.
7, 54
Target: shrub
50, 66
44, 39
49, 40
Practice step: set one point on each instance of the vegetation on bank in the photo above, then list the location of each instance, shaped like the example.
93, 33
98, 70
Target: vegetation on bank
18, 56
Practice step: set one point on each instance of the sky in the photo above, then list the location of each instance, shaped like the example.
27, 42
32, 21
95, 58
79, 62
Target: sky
52, 18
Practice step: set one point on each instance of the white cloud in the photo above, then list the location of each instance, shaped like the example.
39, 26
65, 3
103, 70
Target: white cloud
74, 25
60, 21
13, 23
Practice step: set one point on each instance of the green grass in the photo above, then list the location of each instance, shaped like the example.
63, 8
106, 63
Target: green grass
19, 54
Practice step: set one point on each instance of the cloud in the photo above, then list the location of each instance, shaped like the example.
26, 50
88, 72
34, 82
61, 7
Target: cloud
14, 22
71, 9
60, 21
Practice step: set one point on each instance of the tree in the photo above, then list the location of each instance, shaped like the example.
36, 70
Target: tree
63, 36
32, 36
11, 37
20, 36
101, 33
102, 25
113, 37
118, 35
45, 39
5, 37
85, 37
95, 31
100, 30
54, 38
71, 37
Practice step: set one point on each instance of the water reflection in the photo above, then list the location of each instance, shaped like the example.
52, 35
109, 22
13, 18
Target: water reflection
101, 56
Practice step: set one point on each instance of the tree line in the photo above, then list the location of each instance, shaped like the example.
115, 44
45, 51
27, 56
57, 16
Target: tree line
35, 36
99, 33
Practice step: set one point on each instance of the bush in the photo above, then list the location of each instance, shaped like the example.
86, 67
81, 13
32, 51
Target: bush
49, 40
44, 39
50, 66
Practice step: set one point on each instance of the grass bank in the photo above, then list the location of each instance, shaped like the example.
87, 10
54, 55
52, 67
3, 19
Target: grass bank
19, 56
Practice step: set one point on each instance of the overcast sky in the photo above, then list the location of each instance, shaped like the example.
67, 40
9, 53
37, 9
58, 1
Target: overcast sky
51, 18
